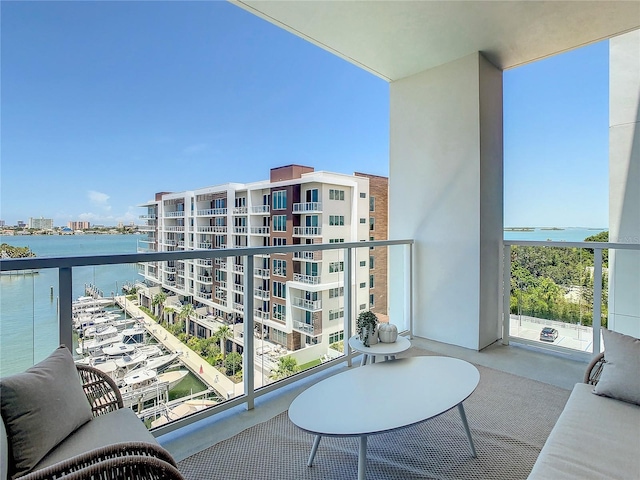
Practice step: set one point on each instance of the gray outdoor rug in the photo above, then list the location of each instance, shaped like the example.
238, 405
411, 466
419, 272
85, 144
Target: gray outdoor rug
510, 418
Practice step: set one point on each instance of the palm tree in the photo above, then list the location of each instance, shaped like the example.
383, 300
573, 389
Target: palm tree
287, 366
186, 311
169, 311
222, 334
158, 302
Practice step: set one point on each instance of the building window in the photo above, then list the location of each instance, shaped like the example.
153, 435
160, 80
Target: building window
336, 220
279, 223
363, 306
363, 285
372, 204
280, 267
336, 194
279, 290
336, 240
371, 239
335, 267
363, 195
371, 262
336, 314
279, 242
336, 337
363, 220
371, 301
372, 223
336, 292
279, 200
241, 202
279, 312
363, 263
371, 281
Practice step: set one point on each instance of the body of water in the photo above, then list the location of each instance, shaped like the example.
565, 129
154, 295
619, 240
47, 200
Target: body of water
29, 303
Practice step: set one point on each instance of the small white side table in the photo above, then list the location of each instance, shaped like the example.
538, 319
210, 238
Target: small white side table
388, 350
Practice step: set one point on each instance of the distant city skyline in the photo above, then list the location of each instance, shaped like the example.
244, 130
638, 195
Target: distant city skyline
106, 103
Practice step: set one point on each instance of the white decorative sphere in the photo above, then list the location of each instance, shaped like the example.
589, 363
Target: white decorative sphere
387, 332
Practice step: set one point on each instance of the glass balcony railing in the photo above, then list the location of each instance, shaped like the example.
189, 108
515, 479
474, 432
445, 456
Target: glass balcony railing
558, 293
205, 344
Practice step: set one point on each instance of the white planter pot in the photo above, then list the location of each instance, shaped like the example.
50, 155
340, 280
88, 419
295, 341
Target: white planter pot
371, 337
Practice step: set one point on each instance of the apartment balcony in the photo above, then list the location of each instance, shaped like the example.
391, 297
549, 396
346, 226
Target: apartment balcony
204, 279
169, 269
169, 283
260, 230
205, 246
238, 268
240, 211
309, 207
261, 272
204, 295
307, 231
262, 294
304, 328
238, 307
150, 216
147, 228
206, 262
222, 284
212, 212
173, 214
309, 305
260, 210
308, 256
212, 229
240, 230
180, 243
260, 315
170, 243
308, 279
238, 288
178, 228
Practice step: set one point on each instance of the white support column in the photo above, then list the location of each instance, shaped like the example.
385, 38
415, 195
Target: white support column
445, 191
624, 181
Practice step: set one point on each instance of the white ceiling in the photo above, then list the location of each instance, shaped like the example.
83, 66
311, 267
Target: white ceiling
395, 39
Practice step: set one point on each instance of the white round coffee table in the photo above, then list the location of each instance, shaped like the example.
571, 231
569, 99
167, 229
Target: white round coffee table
414, 390
388, 350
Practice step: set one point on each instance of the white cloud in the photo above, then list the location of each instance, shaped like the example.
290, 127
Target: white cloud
99, 199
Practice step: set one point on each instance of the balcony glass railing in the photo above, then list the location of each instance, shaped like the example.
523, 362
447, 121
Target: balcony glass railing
307, 231
211, 212
311, 305
558, 293
259, 340
260, 209
307, 207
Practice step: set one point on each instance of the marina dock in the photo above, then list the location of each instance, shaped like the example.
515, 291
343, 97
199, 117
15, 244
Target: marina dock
210, 375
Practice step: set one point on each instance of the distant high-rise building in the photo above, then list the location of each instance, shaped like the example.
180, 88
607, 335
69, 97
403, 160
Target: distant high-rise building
1, 223
41, 223
21, 224
299, 296
79, 225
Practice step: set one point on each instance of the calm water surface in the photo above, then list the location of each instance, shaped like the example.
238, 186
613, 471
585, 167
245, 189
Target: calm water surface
29, 303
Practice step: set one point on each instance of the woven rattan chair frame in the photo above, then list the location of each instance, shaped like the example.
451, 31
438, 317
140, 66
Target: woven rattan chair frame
101, 391
594, 370
131, 460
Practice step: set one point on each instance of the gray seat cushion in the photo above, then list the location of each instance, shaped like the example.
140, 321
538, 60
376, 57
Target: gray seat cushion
116, 427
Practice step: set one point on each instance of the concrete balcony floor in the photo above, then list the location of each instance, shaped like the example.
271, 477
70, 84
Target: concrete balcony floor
524, 361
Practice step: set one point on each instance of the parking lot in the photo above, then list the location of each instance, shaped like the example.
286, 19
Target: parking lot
576, 337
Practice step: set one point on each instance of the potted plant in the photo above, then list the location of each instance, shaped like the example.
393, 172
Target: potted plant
366, 328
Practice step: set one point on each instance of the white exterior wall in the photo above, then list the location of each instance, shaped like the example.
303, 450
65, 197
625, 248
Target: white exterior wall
624, 181
445, 191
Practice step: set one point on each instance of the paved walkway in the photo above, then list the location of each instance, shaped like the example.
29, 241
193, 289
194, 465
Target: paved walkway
199, 366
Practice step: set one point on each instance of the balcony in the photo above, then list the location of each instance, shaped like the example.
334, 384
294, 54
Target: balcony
212, 229
260, 209
212, 212
303, 327
309, 207
205, 246
238, 268
308, 256
206, 262
147, 228
260, 230
238, 287
260, 315
173, 214
151, 216
179, 228
204, 279
309, 305
240, 230
204, 295
261, 272
261, 294
238, 307
308, 279
240, 210
307, 231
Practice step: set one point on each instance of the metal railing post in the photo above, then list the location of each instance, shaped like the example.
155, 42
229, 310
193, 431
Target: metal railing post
597, 299
65, 314
348, 303
248, 366
506, 294
410, 309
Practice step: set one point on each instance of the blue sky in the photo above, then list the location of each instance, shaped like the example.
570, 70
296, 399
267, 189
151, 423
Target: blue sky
132, 98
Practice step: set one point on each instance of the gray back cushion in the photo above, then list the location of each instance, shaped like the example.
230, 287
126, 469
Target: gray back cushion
620, 377
41, 407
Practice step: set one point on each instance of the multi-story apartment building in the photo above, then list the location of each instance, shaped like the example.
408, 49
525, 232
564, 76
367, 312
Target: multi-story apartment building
79, 225
41, 223
298, 296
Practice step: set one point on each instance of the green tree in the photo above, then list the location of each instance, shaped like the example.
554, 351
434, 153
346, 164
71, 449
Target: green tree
158, 303
222, 334
287, 366
233, 363
186, 311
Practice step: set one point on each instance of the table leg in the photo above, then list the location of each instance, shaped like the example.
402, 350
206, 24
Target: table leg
314, 449
364, 359
362, 457
466, 428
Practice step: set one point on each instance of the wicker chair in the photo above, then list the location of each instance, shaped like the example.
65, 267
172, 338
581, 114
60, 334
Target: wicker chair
121, 461
594, 370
